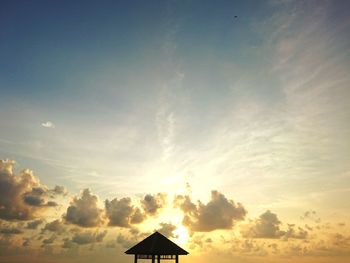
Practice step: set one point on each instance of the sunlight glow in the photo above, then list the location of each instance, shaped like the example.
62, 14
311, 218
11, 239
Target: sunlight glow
181, 234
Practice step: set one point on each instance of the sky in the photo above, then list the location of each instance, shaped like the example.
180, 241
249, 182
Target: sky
224, 125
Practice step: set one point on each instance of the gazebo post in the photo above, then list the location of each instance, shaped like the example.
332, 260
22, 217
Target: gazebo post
135, 258
153, 258
177, 259
158, 259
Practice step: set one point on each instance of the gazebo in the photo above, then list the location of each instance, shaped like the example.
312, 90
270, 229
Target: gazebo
156, 246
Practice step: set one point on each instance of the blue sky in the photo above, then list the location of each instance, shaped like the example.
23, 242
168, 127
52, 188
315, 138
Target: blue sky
129, 98
101, 71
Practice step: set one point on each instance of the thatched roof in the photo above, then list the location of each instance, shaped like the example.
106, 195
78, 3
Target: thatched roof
156, 244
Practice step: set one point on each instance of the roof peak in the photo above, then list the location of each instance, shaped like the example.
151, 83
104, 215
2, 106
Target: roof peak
156, 244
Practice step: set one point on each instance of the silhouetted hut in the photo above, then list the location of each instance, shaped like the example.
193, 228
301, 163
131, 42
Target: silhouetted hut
156, 246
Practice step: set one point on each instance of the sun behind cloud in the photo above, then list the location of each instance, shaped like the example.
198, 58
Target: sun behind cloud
182, 235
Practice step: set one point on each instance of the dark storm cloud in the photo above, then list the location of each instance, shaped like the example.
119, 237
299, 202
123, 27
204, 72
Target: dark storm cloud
22, 196
122, 213
218, 213
152, 203
84, 211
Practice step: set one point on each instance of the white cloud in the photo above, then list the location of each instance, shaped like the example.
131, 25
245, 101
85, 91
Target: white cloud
48, 124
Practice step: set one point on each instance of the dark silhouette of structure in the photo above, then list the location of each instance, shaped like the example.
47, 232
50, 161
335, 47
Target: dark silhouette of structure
156, 246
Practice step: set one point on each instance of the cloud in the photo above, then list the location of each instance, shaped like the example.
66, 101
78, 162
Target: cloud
295, 232
26, 242
48, 241
167, 229
59, 190
34, 224
311, 215
137, 216
10, 231
185, 204
55, 226
84, 211
218, 213
126, 242
38, 197
67, 243
48, 124
341, 241
199, 241
122, 213
152, 203
88, 237
131, 239
268, 226
250, 247
21, 196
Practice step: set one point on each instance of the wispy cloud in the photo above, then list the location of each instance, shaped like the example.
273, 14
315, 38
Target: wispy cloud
48, 124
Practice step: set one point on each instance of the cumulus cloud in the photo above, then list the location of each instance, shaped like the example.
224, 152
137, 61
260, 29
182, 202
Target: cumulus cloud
152, 203
26, 242
10, 231
84, 211
185, 204
48, 241
68, 243
199, 241
88, 237
137, 216
311, 215
34, 224
295, 232
268, 226
251, 247
218, 213
167, 229
340, 240
21, 196
59, 190
125, 242
122, 213
134, 236
54, 226
37, 197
